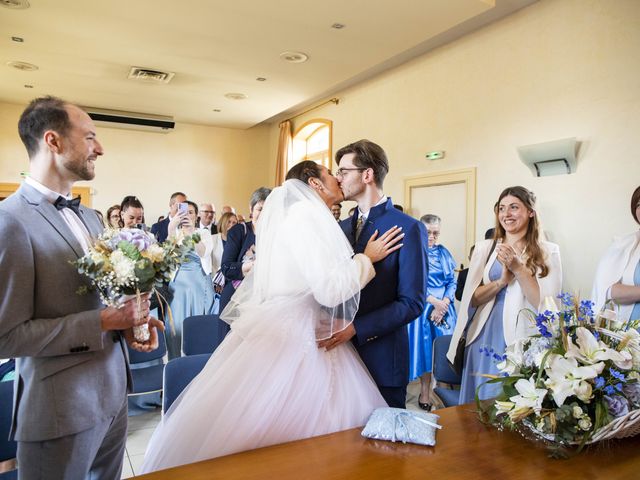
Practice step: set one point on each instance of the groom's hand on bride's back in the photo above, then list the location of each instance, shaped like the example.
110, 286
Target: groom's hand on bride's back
338, 338
378, 248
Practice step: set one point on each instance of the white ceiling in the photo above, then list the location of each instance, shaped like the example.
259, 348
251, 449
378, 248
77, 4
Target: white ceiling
85, 48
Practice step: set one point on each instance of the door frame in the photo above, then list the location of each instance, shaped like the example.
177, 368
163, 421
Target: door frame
7, 189
466, 176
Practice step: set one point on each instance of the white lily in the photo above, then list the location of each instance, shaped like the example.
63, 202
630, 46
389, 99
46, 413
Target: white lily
589, 350
503, 407
530, 396
565, 377
515, 357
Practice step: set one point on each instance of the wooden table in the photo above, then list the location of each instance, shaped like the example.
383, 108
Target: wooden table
466, 449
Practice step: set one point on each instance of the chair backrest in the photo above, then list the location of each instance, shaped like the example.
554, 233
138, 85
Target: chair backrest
7, 447
200, 334
177, 375
442, 369
140, 357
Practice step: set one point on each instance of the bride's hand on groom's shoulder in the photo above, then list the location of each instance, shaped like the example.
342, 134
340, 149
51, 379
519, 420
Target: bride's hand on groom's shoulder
378, 248
338, 338
151, 344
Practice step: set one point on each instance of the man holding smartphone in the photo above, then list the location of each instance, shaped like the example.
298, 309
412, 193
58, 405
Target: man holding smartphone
161, 229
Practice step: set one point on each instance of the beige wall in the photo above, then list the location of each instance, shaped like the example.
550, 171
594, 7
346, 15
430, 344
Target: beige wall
559, 68
216, 164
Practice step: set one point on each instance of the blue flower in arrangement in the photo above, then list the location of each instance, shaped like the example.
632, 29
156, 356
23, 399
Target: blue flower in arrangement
616, 374
600, 382
566, 299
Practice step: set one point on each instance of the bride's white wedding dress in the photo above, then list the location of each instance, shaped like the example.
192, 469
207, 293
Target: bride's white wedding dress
268, 382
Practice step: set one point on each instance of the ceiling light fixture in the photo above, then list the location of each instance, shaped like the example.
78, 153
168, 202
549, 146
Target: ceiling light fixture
28, 86
261, 79
149, 76
18, 39
24, 66
15, 4
338, 26
236, 96
294, 57
217, 110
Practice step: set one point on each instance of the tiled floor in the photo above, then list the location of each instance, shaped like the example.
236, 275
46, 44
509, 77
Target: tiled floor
140, 430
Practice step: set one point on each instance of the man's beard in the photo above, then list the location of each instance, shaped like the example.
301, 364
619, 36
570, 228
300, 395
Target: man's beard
82, 170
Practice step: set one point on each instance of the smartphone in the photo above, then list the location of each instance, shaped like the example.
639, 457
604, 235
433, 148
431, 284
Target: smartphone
183, 208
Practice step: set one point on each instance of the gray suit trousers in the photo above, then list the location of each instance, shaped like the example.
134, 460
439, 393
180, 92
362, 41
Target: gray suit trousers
94, 454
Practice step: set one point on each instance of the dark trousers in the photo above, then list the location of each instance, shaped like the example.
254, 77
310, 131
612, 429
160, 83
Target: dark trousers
395, 396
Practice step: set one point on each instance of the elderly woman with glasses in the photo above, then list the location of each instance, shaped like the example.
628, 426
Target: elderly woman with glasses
439, 317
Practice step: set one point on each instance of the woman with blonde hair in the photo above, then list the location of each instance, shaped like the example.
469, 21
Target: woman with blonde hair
227, 220
516, 269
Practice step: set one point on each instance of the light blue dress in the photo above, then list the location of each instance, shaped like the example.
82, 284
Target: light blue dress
193, 294
491, 338
635, 313
441, 283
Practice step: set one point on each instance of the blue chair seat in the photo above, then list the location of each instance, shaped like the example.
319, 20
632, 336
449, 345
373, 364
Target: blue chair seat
443, 373
7, 447
177, 375
147, 380
200, 334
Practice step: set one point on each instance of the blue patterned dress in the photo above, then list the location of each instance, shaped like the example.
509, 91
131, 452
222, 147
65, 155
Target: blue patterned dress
491, 337
441, 283
192, 295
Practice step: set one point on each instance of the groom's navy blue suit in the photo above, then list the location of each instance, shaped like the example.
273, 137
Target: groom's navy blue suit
395, 297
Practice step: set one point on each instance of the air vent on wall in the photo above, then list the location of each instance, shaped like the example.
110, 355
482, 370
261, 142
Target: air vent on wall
130, 120
149, 76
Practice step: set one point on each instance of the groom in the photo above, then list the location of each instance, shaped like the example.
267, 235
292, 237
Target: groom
396, 296
70, 400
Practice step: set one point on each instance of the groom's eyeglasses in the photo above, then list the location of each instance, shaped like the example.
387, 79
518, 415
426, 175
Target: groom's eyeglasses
341, 171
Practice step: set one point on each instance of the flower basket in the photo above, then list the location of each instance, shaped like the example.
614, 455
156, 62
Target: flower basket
575, 383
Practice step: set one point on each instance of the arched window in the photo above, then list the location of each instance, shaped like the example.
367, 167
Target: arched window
312, 141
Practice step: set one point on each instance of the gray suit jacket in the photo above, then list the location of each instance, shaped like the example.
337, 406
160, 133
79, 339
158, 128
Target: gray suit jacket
70, 374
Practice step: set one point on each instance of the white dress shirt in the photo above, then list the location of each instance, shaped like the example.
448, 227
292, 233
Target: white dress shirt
69, 216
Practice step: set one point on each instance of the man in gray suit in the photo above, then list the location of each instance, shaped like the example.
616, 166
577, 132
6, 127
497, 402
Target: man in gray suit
70, 403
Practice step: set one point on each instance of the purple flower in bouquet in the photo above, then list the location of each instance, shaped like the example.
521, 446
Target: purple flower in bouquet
617, 405
138, 238
632, 392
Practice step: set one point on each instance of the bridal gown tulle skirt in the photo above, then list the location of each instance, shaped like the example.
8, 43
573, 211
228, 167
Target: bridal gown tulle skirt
267, 383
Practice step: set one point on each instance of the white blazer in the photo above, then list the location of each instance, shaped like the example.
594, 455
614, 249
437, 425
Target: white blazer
216, 254
514, 298
618, 264
205, 259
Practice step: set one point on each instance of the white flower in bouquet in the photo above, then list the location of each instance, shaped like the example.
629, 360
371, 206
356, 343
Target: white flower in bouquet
514, 357
590, 350
123, 267
565, 377
530, 396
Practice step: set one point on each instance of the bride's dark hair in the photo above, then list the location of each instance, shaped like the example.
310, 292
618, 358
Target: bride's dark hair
303, 171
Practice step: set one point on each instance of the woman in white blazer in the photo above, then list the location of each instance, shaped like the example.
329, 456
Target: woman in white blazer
618, 273
227, 220
513, 271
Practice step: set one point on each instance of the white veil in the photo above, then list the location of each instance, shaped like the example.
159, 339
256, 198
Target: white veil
301, 253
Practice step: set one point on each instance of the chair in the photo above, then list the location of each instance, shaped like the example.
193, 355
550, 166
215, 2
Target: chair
177, 375
7, 447
147, 368
443, 373
200, 334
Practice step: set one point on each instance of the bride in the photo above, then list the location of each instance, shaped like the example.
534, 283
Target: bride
268, 382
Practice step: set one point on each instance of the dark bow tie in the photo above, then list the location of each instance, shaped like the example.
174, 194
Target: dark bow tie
73, 204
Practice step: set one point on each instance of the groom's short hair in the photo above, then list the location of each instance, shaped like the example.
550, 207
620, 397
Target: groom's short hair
367, 155
42, 114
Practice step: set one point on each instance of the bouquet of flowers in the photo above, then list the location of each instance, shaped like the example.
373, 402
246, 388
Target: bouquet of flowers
575, 382
124, 263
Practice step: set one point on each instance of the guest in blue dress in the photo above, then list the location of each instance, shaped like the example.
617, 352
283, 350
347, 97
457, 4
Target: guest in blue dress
514, 270
618, 274
191, 288
439, 318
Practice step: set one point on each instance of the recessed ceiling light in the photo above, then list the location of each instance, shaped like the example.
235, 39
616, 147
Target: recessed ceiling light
28, 86
17, 39
338, 26
24, 66
261, 79
294, 57
15, 4
236, 96
217, 110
